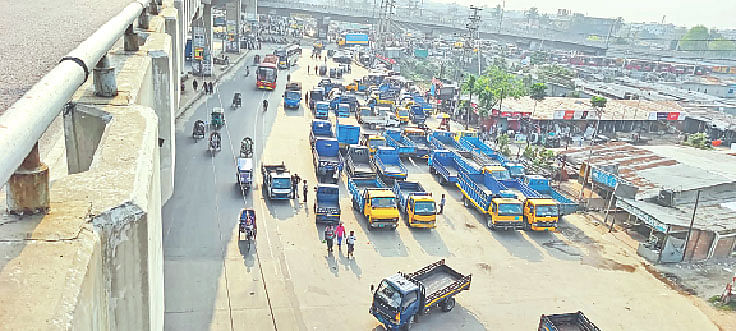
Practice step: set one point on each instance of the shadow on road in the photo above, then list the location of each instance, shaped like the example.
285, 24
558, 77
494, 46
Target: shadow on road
555, 246
456, 319
386, 241
517, 245
430, 241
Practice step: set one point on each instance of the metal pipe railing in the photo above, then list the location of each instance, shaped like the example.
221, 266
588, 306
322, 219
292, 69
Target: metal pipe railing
22, 125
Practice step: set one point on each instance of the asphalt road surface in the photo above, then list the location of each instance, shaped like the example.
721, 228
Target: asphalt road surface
289, 282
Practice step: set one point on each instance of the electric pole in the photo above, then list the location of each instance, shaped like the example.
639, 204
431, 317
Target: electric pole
471, 44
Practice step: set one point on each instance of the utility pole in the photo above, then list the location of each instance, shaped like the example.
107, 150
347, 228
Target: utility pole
471, 43
385, 21
690, 229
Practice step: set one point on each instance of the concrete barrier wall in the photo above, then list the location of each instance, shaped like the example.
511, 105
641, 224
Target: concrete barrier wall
95, 262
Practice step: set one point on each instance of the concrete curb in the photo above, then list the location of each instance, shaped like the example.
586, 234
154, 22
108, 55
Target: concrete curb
184, 108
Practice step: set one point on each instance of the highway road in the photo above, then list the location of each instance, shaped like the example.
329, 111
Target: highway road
289, 282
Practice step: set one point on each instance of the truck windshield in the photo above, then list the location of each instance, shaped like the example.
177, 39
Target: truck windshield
547, 210
509, 209
501, 175
373, 143
293, 95
403, 112
516, 171
424, 208
281, 183
383, 202
388, 295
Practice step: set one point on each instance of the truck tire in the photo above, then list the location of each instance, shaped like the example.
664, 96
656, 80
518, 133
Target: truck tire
448, 304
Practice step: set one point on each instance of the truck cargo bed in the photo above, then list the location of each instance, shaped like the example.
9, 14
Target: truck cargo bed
440, 278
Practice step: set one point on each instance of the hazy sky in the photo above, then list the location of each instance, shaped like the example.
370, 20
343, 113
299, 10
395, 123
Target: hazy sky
711, 13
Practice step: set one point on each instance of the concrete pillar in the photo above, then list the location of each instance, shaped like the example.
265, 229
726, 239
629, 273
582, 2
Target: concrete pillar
177, 51
164, 87
182, 29
207, 24
83, 129
27, 190
232, 14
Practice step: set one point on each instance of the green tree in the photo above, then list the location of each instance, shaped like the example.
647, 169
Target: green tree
722, 46
598, 102
538, 91
696, 39
503, 144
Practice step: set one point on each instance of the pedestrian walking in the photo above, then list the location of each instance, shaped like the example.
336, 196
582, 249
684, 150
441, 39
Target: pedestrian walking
305, 191
340, 233
308, 70
194, 85
212, 87
306, 96
295, 186
205, 88
351, 244
329, 237
315, 72
442, 203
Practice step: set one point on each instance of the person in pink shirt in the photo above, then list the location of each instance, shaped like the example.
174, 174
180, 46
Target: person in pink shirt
339, 233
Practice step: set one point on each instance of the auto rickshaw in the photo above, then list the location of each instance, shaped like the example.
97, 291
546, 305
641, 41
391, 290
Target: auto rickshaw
236, 101
218, 117
198, 131
247, 225
215, 144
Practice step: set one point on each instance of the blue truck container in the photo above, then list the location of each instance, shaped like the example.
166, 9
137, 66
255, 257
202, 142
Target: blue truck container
404, 189
422, 149
322, 110
347, 132
541, 185
326, 159
417, 114
479, 189
388, 163
320, 129
444, 164
395, 139
443, 140
482, 151
518, 185
356, 187
327, 203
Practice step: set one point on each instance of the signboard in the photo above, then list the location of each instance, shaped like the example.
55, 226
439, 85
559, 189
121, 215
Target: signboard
202, 60
666, 115
231, 45
604, 178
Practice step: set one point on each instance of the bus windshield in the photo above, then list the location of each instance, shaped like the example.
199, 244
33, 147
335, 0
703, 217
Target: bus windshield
266, 74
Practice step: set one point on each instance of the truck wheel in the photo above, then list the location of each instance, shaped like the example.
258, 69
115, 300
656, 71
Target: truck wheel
448, 304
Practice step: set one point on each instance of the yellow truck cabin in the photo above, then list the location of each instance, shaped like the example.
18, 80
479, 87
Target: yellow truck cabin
380, 208
465, 133
541, 214
421, 212
402, 114
374, 141
505, 214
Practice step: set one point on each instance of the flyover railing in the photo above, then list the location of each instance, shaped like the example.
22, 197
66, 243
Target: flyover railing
22, 125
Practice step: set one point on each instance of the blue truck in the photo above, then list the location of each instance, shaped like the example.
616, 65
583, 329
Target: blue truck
292, 95
418, 137
347, 132
445, 165
343, 110
322, 110
541, 185
395, 139
485, 154
326, 159
444, 140
349, 99
566, 321
417, 115
403, 297
388, 164
315, 95
320, 129
374, 201
500, 206
327, 203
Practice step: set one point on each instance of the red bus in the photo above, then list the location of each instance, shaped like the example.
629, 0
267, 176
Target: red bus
270, 58
266, 76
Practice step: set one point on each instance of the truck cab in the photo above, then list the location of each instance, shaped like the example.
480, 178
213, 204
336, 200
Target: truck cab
421, 211
343, 110
497, 171
402, 114
541, 214
396, 301
506, 213
292, 95
327, 203
465, 133
374, 142
316, 95
379, 206
322, 110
